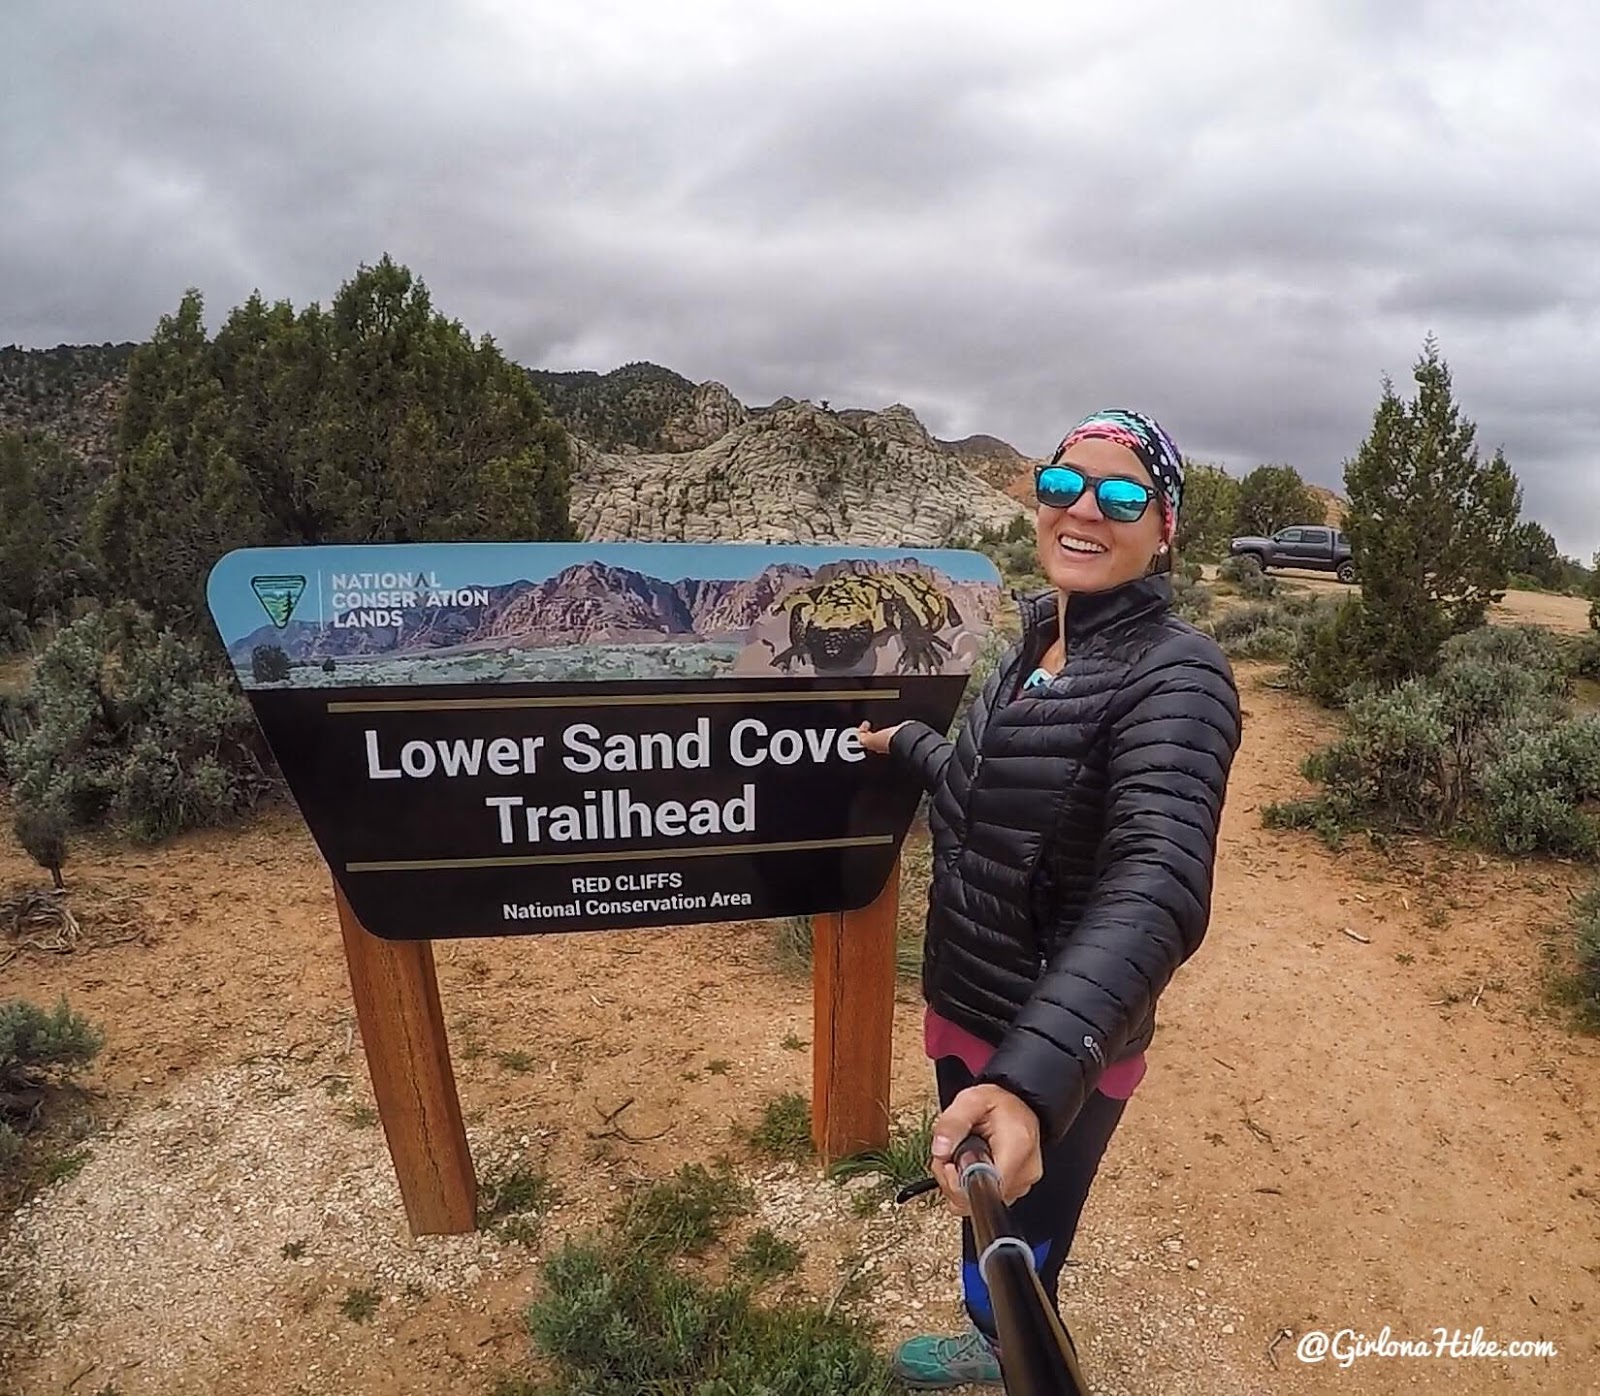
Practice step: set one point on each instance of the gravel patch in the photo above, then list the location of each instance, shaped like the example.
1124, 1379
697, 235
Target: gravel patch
164, 1259
169, 1245
1147, 1319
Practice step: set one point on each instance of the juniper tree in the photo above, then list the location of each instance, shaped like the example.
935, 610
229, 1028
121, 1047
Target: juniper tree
375, 420
1430, 522
1210, 511
45, 493
1532, 553
1273, 497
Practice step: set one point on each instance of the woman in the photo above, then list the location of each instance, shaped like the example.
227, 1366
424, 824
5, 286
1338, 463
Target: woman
1074, 825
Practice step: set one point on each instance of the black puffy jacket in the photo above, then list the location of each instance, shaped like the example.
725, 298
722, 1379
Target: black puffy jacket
1074, 839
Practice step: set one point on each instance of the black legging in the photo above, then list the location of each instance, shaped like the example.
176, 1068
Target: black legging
1047, 1214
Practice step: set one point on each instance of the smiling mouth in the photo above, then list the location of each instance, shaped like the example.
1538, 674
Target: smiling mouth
1080, 547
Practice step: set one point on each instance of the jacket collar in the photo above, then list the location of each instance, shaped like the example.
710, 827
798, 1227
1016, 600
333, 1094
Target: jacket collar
1089, 612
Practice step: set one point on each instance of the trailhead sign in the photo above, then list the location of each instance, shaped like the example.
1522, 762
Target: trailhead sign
505, 739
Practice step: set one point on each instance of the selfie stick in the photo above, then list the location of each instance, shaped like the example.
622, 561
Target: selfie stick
1036, 1353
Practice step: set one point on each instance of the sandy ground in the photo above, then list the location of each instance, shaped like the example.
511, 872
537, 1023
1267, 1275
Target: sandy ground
1387, 1133
1565, 613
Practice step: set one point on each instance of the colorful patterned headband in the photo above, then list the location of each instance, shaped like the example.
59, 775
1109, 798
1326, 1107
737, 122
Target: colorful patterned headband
1144, 437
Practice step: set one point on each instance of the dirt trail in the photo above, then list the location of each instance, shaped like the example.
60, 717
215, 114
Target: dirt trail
1334, 1133
1565, 613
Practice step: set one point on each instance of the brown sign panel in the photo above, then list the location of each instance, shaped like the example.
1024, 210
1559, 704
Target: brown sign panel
509, 739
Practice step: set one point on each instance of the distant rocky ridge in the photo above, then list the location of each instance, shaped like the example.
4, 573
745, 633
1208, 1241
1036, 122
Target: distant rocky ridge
1335, 506
657, 457
589, 603
991, 459
73, 392
794, 472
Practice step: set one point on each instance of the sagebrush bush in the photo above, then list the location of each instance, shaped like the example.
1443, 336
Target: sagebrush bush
1521, 646
1244, 573
1258, 631
38, 1051
1540, 792
41, 830
1486, 746
1586, 933
13, 629
1191, 599
1583, 656
136, 727
1266, 629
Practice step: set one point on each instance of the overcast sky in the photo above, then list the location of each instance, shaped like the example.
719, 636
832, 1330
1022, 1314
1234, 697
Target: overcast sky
1238, 216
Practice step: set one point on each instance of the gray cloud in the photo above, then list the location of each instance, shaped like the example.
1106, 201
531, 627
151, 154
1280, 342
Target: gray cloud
1237, 216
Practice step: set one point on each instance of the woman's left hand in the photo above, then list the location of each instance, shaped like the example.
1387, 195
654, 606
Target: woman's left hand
1009, 1127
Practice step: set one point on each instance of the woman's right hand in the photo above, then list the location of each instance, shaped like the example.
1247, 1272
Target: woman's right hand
877, 742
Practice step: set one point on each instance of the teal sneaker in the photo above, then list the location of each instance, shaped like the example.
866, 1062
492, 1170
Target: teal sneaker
930, 1362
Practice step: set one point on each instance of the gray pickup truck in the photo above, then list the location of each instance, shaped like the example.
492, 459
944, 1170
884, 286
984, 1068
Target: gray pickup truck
1313, 547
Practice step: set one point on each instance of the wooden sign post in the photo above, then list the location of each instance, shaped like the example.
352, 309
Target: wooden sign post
852, 986
396, 993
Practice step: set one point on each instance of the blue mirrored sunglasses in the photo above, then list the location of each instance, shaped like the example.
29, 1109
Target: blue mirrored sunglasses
1120, 499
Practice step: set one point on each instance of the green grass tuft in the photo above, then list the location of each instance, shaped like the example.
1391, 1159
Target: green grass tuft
684, 1214
784, 1129
904, 1159
766, 1255
513, 1201
359, 1305
516, 1061
63, 1167
614, 1322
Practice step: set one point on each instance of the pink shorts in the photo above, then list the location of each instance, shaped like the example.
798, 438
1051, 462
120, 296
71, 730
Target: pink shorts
942, 1038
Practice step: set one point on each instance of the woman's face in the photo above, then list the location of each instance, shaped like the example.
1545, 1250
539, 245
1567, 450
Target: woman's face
1082, 550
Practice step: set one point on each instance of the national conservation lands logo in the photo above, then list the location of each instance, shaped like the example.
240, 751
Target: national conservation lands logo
278, 596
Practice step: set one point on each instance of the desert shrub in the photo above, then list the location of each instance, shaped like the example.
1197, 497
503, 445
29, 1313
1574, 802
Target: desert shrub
1259, 631
1245, 574
16, 718
42, 832
988, 660
135, 727
615, 1322
1013, 549
1266, 630
1191, 598
38, 1052
1529, 647
1541, 791
13, 629
1327, 663
1486, 746
1586, 934
1583, 656
624, 1313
